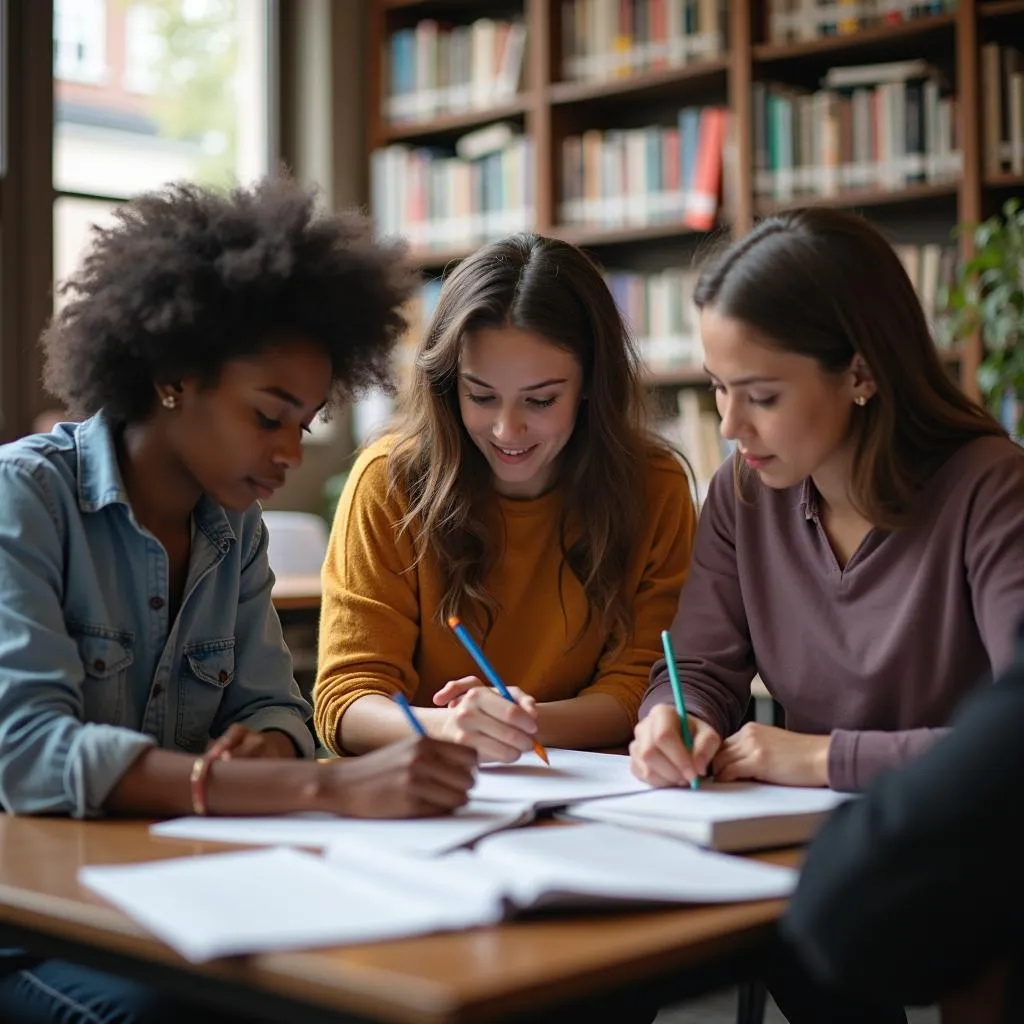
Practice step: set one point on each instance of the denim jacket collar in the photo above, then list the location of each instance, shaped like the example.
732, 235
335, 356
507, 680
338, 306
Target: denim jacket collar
100, 482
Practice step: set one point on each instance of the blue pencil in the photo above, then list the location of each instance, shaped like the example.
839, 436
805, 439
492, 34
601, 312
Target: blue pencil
677, 693
492, 677
413, 720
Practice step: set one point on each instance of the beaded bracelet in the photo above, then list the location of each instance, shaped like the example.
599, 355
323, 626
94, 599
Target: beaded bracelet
197, 782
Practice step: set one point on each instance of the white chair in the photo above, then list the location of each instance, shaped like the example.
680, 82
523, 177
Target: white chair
297, 543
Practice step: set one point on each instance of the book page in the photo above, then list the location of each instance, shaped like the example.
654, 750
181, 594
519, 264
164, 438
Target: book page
426, 836
573, 775
259, 900
597, 863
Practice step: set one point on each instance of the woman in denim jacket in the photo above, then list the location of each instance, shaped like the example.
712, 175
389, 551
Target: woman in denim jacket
142, 666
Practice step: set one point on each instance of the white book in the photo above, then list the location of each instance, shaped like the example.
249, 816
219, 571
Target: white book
595, 865
426, 836
572, 775
725, 816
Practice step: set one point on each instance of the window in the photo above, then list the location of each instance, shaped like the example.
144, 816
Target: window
183, 93
80, 39
145, 49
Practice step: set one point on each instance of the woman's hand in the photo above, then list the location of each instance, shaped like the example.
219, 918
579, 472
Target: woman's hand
479, 717
417, 777
769, 754
658, 755
239, 742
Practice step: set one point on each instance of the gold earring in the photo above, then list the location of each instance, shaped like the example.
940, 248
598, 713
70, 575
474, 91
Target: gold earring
861, 400
169, 402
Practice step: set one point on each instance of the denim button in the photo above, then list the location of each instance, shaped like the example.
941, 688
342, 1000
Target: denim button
156, 603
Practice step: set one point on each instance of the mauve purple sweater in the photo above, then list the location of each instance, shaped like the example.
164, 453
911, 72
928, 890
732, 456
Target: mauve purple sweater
877, 654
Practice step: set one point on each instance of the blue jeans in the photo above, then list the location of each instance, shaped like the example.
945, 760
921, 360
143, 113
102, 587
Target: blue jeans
58, 992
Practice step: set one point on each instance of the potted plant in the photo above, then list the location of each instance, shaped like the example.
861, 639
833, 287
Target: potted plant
988, 295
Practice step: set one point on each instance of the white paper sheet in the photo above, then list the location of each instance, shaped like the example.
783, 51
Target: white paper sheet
573, 775
427, 836
724, 801
274, 899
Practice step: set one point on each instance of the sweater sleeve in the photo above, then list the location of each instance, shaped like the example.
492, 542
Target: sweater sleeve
666, 565
993, 554
910, 891
369, 621
710, 635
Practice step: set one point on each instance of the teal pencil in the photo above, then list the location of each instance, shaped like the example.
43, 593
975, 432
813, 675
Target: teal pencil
677, 693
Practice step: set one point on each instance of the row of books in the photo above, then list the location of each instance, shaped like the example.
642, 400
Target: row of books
604, 39
644, 176
882, 134
931, 269
694, 427
438, 200
796, 20
659, 311
435, 69
1002, 76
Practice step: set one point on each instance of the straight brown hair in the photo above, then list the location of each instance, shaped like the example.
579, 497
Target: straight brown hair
824, 283
554, 290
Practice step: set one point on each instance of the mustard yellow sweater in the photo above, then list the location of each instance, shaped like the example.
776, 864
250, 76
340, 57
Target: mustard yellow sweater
377, 628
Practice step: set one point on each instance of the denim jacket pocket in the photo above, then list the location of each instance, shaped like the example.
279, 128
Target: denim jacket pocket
106, 656
208, 666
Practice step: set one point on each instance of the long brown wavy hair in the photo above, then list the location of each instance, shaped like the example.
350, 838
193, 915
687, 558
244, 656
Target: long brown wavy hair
554, 290
824, 283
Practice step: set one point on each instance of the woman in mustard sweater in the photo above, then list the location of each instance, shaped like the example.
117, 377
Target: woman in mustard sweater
521, 492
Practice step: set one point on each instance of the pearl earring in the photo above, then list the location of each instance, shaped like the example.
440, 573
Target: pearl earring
861, 400
169, 402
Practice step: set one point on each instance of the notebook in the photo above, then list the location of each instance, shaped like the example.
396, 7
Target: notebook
427, 836
726, 816
278, 898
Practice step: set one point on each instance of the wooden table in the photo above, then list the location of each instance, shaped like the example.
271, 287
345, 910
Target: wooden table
296, 593
514, 970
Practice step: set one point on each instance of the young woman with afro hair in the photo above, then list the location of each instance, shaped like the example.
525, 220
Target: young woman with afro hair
142, 667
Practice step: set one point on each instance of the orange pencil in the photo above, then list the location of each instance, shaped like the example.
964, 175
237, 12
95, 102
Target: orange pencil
492, 677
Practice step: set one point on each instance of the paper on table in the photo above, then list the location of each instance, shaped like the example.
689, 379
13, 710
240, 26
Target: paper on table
597, 863
427, 836
253, 901
573, 775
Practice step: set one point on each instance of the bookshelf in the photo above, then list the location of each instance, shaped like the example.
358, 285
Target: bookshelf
736, 56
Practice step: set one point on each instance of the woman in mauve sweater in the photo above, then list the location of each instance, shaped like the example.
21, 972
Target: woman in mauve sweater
863, 551
521, 493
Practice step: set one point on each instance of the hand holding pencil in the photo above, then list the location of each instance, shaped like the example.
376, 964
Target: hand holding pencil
671, 747
501, 723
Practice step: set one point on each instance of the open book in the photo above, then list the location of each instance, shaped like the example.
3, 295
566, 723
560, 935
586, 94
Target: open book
729, 816
271, 899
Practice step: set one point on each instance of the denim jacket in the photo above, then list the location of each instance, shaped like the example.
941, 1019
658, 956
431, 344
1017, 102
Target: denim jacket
92, 670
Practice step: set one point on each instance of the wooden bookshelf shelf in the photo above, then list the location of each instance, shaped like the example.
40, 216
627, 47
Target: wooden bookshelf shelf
1001, 8
643, 86
595, 237
438, 259
449, 124
864, 197
1006, 180
891, 40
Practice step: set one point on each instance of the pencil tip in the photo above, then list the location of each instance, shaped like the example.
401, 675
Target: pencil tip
453, 621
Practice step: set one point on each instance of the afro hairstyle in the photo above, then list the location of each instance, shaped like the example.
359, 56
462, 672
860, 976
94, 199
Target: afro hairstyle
189, 278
